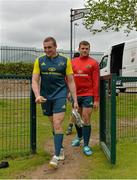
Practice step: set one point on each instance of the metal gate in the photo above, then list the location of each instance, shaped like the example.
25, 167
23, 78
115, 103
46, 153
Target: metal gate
108, 116
17, 116
118, 112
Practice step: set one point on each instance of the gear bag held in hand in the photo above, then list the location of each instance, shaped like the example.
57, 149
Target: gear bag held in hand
77, 118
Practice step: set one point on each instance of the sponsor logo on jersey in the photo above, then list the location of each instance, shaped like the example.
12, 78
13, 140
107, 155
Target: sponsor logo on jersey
43, 64
61, 64
91, 103
51, 69
88, 66
79, 71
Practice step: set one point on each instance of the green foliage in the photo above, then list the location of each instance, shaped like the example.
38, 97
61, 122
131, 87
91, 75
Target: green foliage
16, 68
112, 15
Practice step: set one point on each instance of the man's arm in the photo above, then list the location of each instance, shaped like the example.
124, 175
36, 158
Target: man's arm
72, 88
36, 90
35, 84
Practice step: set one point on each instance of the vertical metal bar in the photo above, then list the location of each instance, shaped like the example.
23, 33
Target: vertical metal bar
32, 122
102, 110
71, 33
113, 119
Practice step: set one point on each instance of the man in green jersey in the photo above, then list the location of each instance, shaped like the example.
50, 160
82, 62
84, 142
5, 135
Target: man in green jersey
52, 76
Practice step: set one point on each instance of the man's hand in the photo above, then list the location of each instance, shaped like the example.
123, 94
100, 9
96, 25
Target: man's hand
96, 105
75, 106
69, 97
40, 99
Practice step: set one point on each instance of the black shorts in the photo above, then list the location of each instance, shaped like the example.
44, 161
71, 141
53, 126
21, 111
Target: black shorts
51, 107
85, 101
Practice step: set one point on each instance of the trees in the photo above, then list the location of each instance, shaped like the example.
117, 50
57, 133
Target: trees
111, 15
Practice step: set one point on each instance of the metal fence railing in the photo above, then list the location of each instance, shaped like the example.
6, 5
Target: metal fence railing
9, 54
126, 108
108, 117
17, 116
118, 112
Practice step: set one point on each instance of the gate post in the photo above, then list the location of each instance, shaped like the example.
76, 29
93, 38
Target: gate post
102, 111
113, 119
108, 116
32, 122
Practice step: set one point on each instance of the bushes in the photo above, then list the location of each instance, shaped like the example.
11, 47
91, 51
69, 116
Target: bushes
19, 68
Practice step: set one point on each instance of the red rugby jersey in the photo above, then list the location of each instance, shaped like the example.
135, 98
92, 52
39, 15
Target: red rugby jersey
86, 76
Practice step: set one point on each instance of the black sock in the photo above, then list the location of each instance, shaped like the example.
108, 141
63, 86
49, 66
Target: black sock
86, 134
79, 131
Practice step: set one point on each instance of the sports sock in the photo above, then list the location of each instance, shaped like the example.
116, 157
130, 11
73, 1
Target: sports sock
79, 131
86, 134
58, 139
53, 136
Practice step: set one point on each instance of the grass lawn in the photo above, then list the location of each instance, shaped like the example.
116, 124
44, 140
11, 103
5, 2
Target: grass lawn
125, 168
97, 166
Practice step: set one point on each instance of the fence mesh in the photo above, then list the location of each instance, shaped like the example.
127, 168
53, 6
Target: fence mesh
118, 114
9, 54
126, 111
14, 115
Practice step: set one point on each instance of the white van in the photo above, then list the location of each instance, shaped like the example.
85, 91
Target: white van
120, 59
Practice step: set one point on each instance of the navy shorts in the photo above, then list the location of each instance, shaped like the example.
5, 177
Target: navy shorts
85, 101
51, 107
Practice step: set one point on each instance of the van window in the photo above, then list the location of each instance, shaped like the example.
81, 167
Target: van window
103, 62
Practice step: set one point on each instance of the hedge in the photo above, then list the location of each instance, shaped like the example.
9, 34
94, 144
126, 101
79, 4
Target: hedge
16, 69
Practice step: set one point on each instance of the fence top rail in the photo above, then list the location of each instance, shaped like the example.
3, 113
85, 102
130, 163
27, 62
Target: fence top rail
127, 79
10, 76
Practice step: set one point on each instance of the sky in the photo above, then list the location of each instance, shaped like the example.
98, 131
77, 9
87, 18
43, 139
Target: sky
25, 23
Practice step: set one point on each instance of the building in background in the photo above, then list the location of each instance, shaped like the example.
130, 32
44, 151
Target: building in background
10, 54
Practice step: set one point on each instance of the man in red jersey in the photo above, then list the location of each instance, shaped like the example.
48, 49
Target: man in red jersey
70, 126
86, 76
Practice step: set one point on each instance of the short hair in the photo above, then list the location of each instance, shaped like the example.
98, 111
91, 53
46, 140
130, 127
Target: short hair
86, 43
76, 54
50, 39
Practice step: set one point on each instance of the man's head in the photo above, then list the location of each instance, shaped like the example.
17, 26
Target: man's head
84, 48
50, 46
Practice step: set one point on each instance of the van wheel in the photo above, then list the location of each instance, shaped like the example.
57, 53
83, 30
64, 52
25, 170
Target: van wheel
122, 90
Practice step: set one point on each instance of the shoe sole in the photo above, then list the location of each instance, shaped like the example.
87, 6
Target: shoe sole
75, 145
53, 165
61, 158
88, 154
